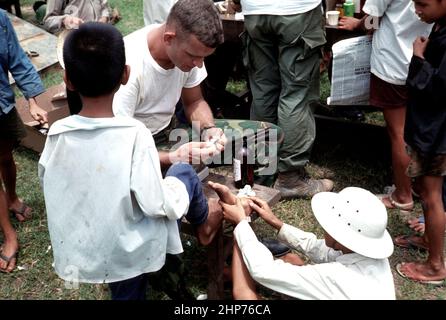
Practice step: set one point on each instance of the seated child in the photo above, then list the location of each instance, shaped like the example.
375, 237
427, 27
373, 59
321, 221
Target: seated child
350, 263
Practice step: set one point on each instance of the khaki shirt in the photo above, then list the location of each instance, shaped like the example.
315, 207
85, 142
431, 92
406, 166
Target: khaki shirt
87, 10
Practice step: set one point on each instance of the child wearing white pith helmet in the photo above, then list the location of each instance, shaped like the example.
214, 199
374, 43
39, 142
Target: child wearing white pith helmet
350, 263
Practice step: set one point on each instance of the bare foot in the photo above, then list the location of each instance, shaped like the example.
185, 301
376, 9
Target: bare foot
422, 271
21, 210
223, 192
412, 242
8, 255
226, 196
392, 203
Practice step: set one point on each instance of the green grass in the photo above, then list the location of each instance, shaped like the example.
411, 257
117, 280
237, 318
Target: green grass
350, 155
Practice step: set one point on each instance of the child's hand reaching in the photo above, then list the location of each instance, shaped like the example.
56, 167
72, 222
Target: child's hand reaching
37, 112
262, 208
71, 22
419, 46
233, 213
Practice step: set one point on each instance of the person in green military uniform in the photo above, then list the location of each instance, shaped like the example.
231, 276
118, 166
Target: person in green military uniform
283, 43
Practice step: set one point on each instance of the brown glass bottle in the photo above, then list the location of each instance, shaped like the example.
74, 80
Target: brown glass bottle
243, 171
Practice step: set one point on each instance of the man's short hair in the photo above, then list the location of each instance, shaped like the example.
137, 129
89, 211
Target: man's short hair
94, 58
199, 18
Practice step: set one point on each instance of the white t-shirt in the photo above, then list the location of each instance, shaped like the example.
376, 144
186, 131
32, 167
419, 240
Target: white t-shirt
156, 11
152, 91
111, 215
333, 276
392, 42
282, 7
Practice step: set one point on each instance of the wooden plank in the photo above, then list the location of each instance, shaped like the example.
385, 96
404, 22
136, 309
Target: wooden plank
35, 140
45, 102
24, 29
33, 38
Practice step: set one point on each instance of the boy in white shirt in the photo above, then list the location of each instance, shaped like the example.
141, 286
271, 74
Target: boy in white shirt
111, 216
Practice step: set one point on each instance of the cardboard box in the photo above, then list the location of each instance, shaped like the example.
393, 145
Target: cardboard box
57, 109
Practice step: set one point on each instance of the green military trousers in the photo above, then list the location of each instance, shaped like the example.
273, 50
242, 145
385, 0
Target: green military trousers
282, 55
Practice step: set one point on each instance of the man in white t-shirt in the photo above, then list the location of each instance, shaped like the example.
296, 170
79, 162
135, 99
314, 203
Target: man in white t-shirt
167, 64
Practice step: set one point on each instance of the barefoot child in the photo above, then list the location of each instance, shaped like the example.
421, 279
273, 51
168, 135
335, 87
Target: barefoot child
13, 60
425, 135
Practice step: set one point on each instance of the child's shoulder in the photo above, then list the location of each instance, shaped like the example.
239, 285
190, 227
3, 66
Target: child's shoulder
125, 120
75, 122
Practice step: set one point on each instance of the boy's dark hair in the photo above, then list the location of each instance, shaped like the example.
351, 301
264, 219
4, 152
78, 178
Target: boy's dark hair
94, 58
199, 18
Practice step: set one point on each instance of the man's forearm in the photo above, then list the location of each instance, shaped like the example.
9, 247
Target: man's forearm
200, 113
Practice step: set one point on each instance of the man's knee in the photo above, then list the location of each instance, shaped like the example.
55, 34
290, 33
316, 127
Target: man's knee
181, 170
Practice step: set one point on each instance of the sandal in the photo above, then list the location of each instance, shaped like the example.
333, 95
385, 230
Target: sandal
7, 259
32, 54
23, 214
403, 207
408, 242
400, 272
390, 189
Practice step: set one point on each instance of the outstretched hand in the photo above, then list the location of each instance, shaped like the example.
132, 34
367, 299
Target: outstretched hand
262, 208
223, 192
37, 112
216, 136
233, 213
226, 196
71, 22
349, 23
193, 152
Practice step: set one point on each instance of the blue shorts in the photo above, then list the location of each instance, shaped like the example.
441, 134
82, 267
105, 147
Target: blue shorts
198, 204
